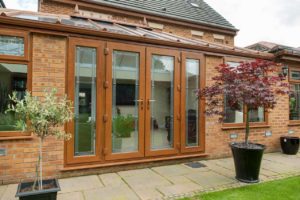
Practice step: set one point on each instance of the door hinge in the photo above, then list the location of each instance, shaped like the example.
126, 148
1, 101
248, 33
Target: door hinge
105, 118
105, 84
106, 51
104, 151
178, 88
179, 59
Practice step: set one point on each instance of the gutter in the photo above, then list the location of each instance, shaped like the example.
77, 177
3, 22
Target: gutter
65, 30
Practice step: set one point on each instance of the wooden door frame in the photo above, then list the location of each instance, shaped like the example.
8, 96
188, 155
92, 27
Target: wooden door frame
176, 110
111, 46
69, 147
201, 103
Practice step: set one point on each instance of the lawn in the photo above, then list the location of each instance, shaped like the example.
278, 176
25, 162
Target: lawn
286, 189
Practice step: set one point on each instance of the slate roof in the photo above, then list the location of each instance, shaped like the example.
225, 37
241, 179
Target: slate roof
2, 5
176, 9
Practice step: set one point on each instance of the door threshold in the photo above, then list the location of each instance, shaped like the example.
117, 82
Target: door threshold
147, 160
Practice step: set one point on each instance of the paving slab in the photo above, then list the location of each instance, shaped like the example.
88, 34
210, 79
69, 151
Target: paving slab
145, 178
210, 179
179, 189
70, 196
179, 179
172, 170
111, 179
2, 189
79, 183
10, 192
111, 193
148, 193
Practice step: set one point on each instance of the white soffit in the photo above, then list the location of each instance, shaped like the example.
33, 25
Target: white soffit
197, 33
220, 37
156, 25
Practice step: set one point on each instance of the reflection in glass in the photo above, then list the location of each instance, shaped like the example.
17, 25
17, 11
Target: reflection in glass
13, 78
192, 105
295, 102
233, 115
85, 101
125, 91
295, 75
11, 45
162, 117
257, 115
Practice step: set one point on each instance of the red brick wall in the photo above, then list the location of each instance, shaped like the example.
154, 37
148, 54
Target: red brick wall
217, 140
48, 71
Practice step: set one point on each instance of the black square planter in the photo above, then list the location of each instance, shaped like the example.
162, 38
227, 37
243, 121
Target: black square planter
45, 194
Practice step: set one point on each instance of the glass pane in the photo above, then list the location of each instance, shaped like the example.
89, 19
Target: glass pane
295, 75
85, 101
125, 92
257, 115
192, 105
13, 77
10, 45
295, 102
231, 115
162, 119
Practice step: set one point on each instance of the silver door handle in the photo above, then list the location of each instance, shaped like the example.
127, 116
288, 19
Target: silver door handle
148, 102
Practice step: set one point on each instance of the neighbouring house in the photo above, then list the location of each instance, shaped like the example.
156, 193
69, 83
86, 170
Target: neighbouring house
289, 57
2, 5
131, 68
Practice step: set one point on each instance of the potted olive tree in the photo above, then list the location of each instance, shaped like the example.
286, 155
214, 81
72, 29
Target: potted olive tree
43, 117
251, 85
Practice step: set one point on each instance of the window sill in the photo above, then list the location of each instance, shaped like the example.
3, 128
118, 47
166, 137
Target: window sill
243, 127
294, 123
15, 135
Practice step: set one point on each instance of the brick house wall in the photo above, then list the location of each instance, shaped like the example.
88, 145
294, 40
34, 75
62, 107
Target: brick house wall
60, 8
48, 71
49, 64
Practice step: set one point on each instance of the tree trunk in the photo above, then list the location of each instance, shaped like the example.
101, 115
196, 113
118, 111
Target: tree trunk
247, 127
41, 165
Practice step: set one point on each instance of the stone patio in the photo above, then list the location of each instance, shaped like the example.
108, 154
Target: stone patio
166, 182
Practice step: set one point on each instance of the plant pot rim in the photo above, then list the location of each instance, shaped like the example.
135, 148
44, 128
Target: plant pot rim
290, 137
262, 147
36, 192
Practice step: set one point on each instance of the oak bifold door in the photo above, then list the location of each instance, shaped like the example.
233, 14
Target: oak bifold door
132, 102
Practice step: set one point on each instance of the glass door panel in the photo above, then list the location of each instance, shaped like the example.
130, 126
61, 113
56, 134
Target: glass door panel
125, 73
85, 100
192, 103
85, 78
163, 102
162, 94
192, 109
125, 110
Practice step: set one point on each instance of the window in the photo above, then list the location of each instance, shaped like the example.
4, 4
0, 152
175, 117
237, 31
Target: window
13, 78
238, 116
11, 45
295, 94
14, 45
294, 102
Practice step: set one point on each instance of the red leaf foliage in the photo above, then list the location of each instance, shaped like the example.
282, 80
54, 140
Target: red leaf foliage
253, 84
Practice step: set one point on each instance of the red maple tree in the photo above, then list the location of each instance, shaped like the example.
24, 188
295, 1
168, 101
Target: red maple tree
252, 84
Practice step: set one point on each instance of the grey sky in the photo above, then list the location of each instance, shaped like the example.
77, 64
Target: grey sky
258, 20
